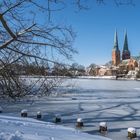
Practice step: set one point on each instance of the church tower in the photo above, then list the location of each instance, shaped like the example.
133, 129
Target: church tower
126, 52
115, 51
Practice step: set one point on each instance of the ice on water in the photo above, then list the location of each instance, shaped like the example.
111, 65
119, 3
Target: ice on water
112, 101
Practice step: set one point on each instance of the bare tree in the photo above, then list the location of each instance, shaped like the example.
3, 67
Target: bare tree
26, 37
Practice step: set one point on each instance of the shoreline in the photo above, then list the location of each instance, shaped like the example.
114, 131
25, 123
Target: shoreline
86, 77
107, 78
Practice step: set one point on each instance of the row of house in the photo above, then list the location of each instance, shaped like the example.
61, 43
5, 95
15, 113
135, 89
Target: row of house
126, 67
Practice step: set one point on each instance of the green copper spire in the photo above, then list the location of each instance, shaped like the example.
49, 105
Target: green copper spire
116, 41
125, 47
126, 52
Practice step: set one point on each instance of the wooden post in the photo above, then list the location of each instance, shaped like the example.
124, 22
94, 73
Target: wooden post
24, 113
79, 123
39, 116
132, 132
57, 118
103, 127
1, 110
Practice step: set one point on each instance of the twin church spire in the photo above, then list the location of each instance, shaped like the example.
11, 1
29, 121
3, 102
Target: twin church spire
116, 51
116, 41
125, 47
126, 52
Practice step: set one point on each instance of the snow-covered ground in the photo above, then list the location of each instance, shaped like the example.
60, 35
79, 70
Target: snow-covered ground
95, 101
15, 128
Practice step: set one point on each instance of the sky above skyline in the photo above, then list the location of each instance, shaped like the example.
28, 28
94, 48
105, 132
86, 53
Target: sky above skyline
95, 30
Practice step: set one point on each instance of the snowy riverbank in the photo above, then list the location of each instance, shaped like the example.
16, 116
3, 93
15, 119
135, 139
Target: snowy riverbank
96, 77
106, 77
81, 77
14, 128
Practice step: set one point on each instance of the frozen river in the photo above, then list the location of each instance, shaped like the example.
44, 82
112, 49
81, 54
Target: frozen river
116, 102
113, 101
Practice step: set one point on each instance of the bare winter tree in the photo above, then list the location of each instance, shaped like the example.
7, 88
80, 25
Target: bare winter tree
26, 38
29, 35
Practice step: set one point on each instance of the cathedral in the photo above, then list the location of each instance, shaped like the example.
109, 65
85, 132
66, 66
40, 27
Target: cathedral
116, 54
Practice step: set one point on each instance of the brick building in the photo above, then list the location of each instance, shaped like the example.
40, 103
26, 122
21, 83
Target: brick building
127, 63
